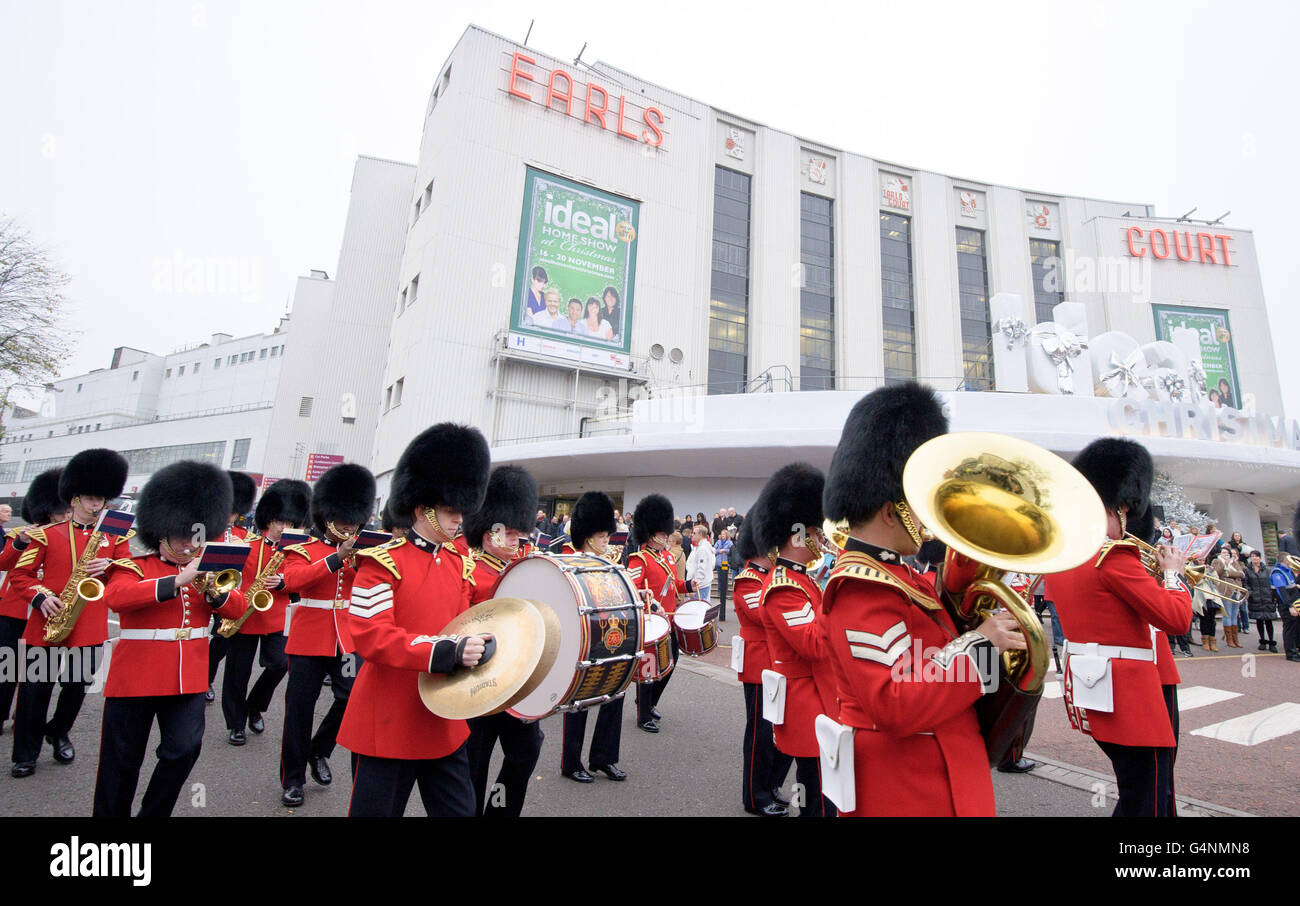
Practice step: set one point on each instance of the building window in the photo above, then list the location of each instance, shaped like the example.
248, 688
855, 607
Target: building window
349, 420
428, 194
973, 307
97, 424
817, 294
275, 350
216, 363
181, 373
898, 310
262, 354
304, 407
397, 391
196, 367
78, 388
8, 472
239, 456
135, 375
729, 282
168, 374
414, 291
1045, 260
281, 349
388, 397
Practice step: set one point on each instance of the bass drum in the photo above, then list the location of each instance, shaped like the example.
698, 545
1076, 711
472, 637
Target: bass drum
601, 620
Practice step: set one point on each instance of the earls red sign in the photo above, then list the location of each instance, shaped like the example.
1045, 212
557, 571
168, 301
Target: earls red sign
1208, 248
590, 102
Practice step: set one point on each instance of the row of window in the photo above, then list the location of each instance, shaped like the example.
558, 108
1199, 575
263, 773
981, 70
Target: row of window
239, 358
150, 459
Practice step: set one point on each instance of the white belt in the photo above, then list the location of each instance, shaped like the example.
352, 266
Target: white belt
175, 634
1110, 652
321, 604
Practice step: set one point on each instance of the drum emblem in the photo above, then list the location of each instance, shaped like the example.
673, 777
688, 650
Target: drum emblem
612, 633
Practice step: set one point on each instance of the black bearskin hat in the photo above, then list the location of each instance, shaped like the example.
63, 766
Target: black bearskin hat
42, 499
287, 500
181, 496
445, 465
744, 549
654, 514
511, 501
593, 513
1143, 525
245, 490
386, 521
344, 494
1121, 471
791, 498
881, 432
98, 473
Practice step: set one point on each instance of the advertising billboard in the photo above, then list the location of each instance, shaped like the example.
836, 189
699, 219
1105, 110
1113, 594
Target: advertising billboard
1214, 335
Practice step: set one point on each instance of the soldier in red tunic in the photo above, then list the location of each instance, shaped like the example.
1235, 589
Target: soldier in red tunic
41, 506
245, 489
765, 768
406, 592
590, 525
493, 535
788, 521
159, 666
320, 572
651, 569
89, 481
283, 506
907, 681
1113, 611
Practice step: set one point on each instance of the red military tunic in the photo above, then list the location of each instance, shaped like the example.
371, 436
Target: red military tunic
791, 606
44, 567
235, 533
261, 552
406, 592
318, 624
14, 602
487, 569
918, 748
175, 661
9, 551
653, 569
1113, 601
747, 596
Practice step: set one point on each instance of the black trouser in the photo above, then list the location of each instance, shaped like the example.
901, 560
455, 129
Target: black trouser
11, 631
1265, 628
127, 722
521, 746
648, 694
808, 772
764, 767
1208, 627
218, 646
382, 786
723, 571
236, 700
75, 667
1290, 631
1145, 774
604, 739
306, 677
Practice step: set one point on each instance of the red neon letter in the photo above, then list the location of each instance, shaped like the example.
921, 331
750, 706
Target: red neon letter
553, 95
1223, 244
517, 73
1133, 250
1164, 244
1205, 244
1178, 249
600, 111
622, 106
654, 118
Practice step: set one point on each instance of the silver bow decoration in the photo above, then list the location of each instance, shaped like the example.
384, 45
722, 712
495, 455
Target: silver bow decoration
1123, 375
1173, 385
1196, 378
1061, 346
1014, 330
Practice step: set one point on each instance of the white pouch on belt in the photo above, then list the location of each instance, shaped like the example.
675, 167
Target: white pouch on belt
835, 746
737, 653
1091, 682
773, 697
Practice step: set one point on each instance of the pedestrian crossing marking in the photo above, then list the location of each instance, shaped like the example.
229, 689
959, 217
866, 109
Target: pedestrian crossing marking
1200, 696
1256, 727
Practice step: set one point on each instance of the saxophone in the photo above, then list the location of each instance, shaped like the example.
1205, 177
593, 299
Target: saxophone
259, 599
79, 591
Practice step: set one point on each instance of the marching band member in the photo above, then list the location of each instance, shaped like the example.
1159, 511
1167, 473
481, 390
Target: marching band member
245, 489
591, 524
1112, 611
406, 592
493, 534
788, 521
88, 482
159, 666
1283, 580
651, 568
764, 768
907, 681
319, 631
283, 506
41, 506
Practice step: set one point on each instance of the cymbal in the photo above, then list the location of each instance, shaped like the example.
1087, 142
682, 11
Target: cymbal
550, 652
521, 638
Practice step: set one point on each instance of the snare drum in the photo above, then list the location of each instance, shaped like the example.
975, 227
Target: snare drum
695, 624
601, 622
657, 658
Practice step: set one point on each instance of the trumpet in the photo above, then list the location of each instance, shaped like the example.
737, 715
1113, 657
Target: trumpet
1194, 573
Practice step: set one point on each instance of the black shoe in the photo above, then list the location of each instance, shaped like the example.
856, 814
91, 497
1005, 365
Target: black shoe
771, 810
580, 775
612, 771
1293, 655
654, 712
649, 726
1023, 766
255, 722
23, 769
779, 798
292, 797
320, 770
236, 737
1272, 646
64, 753
209, 696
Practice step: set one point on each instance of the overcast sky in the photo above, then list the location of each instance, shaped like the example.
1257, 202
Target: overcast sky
140, 136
